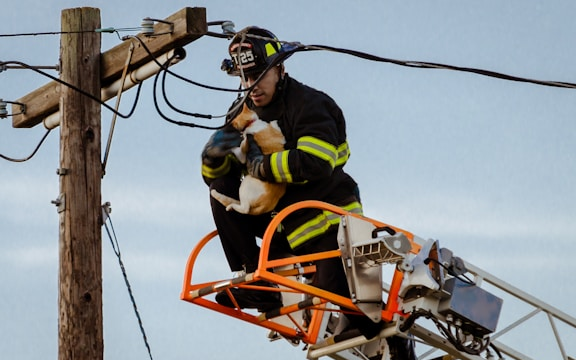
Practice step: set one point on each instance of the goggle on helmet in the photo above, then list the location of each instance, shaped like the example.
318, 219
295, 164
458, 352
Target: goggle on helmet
252, 55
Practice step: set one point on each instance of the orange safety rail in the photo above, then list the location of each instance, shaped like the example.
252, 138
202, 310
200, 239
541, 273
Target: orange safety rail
268, 270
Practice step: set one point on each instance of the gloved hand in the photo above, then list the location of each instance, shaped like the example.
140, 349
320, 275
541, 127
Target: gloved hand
254, 158
220, 144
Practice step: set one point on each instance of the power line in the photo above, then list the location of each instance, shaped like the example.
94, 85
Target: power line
431, 65
58, 80
298, 47
46, 33
23, 106
29, 156
293, 47
146, 24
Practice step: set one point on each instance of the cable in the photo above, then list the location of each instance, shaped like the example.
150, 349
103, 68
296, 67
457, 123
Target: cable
3, 108
459, 339
100, 30
450, 271
125, 116
164, 68
231, 111
118, 98
428, 65
165, 97
418, 64
33, 152
176, 122
116, 248
209, 87
293, 47
495, 348
48, 33
298, 47
229, 115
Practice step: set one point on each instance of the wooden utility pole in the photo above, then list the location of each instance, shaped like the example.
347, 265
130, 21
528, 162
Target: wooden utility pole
80, 279
80, 335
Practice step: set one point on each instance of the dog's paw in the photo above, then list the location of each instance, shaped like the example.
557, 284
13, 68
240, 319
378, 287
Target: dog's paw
240, 155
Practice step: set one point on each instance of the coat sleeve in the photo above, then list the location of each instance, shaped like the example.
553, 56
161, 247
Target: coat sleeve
314, 153
218, 158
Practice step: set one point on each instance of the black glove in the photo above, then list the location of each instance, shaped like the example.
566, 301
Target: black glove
254, 158
219, 145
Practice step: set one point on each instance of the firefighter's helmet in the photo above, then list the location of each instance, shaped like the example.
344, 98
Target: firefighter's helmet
252, 50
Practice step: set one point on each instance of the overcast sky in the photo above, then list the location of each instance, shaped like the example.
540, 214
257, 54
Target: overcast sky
486, 166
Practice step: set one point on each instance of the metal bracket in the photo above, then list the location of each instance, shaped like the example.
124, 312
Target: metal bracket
106, 210
364, 282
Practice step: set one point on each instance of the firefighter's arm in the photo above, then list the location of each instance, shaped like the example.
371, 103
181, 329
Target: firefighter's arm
217, 156
314, 157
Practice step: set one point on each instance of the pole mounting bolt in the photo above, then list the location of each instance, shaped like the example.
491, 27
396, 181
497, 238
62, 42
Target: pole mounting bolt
62, 171
60, 203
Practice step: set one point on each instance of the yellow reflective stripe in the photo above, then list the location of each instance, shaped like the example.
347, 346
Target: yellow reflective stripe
308, 230
213, 173
319, 225
354, 207
343, 154
319, 148
279, 166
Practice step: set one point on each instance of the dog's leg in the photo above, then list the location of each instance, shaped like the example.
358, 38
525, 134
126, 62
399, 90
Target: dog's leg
223, 199
242, 208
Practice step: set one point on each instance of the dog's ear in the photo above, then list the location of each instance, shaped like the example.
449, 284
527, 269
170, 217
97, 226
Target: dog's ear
246, 109
248, 115
234, 109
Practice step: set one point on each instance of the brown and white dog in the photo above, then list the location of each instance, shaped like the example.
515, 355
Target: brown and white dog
256, 196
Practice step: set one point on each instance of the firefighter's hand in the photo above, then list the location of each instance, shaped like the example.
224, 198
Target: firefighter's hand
254, 158
220, 144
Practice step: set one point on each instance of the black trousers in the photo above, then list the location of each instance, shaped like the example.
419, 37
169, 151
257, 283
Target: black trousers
238, 234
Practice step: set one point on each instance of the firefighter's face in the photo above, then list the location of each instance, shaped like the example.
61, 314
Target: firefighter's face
264, 90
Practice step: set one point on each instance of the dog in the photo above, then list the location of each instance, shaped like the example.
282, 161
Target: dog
256, 196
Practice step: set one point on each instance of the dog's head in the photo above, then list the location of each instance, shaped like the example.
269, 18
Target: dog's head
244, 119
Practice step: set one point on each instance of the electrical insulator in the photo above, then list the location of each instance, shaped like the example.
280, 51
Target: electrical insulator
3, 110
228, 28
147, 26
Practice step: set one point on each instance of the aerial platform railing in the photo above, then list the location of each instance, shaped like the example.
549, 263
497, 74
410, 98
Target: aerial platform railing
427, 282
535, 307
290, 275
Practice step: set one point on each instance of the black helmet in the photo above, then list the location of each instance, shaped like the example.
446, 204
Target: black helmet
252, 54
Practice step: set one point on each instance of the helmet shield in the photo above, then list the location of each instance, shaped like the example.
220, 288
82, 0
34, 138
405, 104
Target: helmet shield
252, 55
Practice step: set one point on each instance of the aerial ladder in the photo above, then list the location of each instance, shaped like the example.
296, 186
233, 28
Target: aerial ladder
435, 299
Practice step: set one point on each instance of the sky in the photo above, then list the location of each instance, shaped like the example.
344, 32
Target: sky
484, 165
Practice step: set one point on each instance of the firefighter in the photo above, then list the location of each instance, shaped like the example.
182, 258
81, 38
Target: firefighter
312, 166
